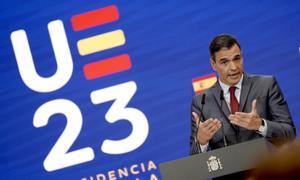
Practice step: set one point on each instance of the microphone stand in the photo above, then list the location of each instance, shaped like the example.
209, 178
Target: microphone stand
202, 117
223, 135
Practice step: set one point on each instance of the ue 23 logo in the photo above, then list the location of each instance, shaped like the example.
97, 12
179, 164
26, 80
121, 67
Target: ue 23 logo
59, 156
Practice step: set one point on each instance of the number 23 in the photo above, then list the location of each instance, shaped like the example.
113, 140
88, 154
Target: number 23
59, 157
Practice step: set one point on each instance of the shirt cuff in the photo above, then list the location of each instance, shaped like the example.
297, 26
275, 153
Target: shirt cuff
263, 129
204, 147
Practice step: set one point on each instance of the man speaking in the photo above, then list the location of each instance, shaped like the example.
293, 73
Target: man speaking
239, 106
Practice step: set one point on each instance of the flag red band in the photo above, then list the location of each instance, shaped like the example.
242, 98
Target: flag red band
107, 66
94, 18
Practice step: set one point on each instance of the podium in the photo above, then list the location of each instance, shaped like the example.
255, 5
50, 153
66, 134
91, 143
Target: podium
224, 161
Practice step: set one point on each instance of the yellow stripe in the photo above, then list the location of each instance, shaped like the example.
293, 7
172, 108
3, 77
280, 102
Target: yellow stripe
100, 42
204, 84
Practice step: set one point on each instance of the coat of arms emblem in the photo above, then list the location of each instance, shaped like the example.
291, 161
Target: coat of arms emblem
214, 164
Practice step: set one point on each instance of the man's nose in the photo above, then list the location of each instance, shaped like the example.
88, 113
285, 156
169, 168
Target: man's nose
232, 66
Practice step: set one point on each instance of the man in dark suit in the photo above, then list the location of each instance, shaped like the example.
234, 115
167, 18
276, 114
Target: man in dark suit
247, 106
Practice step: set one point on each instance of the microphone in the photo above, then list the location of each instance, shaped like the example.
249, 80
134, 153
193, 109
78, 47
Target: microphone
222, 99
202, 117
202, 105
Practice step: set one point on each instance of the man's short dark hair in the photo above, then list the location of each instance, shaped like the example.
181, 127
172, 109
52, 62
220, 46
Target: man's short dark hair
222, 41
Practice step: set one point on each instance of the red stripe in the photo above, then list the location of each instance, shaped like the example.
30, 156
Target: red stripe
107, 66
94, 18
204, 77
200, 91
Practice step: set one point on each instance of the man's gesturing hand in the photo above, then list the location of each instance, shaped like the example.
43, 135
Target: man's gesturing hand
250, 121
206, 129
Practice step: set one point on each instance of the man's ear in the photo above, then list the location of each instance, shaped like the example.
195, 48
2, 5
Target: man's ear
213, 64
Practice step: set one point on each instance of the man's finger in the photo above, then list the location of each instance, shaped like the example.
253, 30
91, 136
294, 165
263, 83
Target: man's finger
235, 123
239, 123
210, 126
254, 106
210, 123
234, 120
233, 117
215, 124
241, 115
196, 118
207, 122
244, 119
214, 129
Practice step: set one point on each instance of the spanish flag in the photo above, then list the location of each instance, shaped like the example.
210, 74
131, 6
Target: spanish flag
204, 82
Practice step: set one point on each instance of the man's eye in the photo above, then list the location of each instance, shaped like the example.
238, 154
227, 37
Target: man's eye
237, 58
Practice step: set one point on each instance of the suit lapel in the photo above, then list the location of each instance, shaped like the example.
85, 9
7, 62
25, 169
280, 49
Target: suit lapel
246, 86
216, 89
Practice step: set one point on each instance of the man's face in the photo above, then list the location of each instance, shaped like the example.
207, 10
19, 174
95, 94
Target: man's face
229, 65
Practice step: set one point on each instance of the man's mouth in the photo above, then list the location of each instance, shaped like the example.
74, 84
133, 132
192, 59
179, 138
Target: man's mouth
235, 75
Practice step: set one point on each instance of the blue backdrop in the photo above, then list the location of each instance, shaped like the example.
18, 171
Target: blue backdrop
167, 42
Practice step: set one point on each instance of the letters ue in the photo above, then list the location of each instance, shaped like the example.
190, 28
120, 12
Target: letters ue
60, 156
